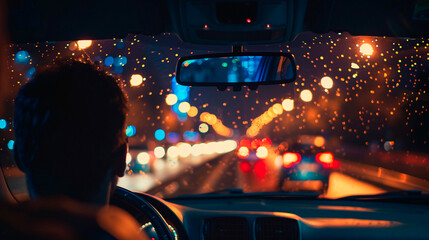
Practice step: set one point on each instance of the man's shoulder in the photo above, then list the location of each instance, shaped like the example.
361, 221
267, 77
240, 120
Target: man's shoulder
63, 218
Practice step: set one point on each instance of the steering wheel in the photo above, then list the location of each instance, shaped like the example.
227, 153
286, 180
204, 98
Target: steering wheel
141, 209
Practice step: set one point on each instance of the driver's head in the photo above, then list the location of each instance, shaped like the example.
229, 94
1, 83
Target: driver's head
69, 132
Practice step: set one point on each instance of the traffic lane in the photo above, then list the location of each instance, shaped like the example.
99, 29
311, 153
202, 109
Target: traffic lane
226, 171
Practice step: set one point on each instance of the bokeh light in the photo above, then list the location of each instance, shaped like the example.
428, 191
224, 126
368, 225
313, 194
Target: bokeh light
3, 124
243, 152
193, 111
277, 108
173, 152
108, 61
262, 152
184, 107
366, 49
130, 131
136, 80
22, 57
287, 105
159, 134
319, 141
184, 149
159, 152
82, 44
171, 99
327, 82
143, 158
203, 128
11, 144
306, 95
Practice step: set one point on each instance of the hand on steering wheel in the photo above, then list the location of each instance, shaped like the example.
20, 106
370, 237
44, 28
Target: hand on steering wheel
139, 208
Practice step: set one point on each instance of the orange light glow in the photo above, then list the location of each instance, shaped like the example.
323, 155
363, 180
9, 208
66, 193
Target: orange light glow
366, 49
290, 158
327, 158
262, 152
243, 152
82, 44
350, 222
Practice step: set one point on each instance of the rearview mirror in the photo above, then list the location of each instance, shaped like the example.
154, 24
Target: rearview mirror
236, 69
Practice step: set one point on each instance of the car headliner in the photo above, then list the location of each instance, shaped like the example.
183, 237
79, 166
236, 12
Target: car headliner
50, 20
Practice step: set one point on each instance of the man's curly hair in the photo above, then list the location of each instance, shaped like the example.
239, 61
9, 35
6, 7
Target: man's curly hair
69, 120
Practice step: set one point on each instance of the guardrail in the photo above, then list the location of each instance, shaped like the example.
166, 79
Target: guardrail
383, 176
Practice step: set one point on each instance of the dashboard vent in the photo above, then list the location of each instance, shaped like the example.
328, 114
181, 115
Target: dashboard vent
276, 228
234, 228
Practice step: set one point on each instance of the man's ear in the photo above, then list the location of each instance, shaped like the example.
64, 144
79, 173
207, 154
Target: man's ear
119, 160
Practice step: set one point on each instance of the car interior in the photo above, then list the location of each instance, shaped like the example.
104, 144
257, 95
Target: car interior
250, 119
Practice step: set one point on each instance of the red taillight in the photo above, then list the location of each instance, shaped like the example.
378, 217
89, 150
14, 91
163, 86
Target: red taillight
289, 159
255, 143
245, 142
260, 169
243, 152
245, 167
327, 159
266, 142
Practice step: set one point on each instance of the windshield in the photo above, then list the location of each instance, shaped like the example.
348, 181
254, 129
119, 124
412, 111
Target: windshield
354, 121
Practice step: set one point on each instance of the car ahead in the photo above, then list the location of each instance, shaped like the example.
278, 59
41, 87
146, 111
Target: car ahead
307, 164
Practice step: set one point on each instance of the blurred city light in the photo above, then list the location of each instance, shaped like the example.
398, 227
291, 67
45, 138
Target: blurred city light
290, 158
354, 66
130, 131
327, 82
245, 166
171, 99
11, 144
262, 152
82, 44
108, 61
388, 145
319, 141
306, 95
159, 164
191, 136
143, 158
22, 57
260, 169
3, 124
327, 158
203, 128
30, 72
136, 80
159, 152
173, 152
173, 137
193, 111
287, 105
159, 134
366, 49
184, 149
184, 107
243, 152
277, 108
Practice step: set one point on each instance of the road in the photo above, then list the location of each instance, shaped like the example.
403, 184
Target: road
224, 171
213, 172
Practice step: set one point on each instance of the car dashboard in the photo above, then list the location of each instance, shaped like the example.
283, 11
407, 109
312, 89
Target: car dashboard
244, 218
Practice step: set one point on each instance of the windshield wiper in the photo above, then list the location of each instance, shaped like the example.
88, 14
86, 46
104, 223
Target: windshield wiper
238, 193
